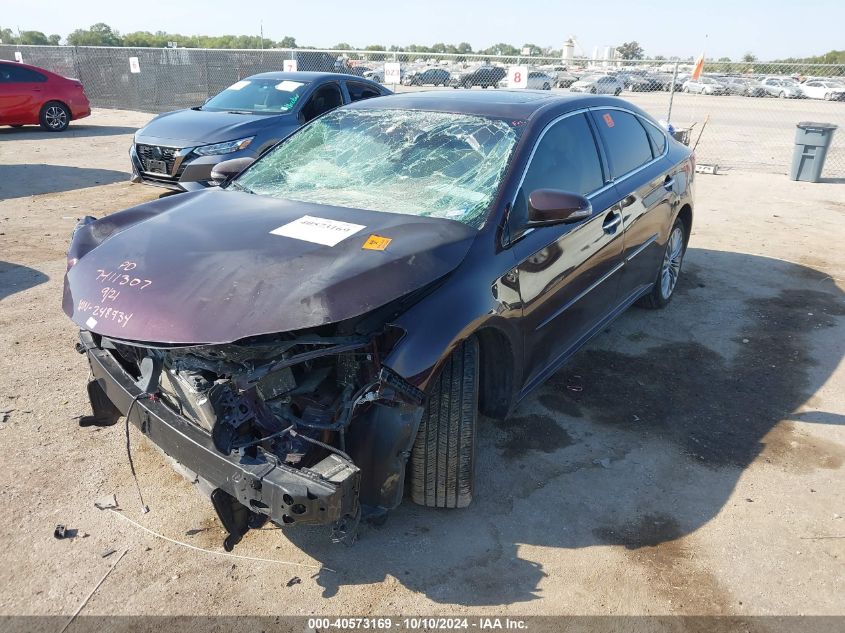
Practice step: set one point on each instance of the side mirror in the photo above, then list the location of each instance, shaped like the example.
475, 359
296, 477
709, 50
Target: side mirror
228, 169
553, 206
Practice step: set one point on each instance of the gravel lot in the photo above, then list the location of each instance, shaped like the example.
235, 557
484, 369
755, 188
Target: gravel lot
699, 471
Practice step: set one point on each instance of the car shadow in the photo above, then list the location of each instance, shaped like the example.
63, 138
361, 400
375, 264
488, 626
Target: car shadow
19, 181
635, 444
15, 278
75, 130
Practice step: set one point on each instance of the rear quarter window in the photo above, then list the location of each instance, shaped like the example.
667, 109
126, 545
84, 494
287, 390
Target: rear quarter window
657, 136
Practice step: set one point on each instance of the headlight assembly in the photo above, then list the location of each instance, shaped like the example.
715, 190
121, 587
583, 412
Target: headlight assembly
226, 147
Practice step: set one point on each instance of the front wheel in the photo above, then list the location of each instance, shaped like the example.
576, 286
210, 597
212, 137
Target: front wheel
670, 269
442, 467
55, 117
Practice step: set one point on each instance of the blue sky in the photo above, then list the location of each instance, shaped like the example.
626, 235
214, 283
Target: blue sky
773, 29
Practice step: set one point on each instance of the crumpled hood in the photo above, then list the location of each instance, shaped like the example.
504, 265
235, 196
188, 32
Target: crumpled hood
204, 267
190, 128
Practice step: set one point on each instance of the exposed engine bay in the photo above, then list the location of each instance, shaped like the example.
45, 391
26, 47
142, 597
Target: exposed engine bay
304, 404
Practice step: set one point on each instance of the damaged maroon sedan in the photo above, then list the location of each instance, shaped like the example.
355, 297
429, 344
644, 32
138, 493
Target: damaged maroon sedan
319, 333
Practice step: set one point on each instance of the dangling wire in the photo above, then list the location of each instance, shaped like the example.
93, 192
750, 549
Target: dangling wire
144, 507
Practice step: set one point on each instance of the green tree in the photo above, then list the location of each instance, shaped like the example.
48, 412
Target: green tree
146, 39
7, 36
343, 46
99, 34
502, 49
630, 50
33, 37
749, 57
533, 49
55, 39
464, 48
287, 42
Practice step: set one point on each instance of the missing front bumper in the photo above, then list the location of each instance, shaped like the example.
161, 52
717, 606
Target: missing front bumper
326, 493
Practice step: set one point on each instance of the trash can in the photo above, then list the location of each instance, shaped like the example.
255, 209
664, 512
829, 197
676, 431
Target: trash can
811, 143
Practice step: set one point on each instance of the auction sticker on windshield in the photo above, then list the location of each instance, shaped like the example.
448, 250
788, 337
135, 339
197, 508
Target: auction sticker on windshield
318, 230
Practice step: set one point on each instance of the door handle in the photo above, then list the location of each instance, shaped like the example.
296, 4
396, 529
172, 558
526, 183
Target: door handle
612, 220
669, 183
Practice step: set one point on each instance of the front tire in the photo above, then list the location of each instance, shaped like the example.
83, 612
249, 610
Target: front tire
442, 468
670, 269
54, 116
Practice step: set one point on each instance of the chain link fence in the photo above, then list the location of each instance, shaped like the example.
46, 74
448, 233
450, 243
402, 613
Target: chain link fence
740, 114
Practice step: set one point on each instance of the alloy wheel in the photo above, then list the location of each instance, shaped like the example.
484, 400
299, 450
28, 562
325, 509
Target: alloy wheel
56, 117
672, 262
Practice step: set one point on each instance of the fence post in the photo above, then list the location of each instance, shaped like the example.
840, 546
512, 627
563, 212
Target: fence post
207, 77
76, 65
672, 91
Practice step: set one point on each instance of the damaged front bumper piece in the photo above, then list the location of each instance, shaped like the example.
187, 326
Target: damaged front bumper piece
251, 487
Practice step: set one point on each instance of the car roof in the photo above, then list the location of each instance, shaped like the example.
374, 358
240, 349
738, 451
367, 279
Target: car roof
307, 76
12, 62
521, 104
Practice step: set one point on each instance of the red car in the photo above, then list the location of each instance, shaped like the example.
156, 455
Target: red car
30, 95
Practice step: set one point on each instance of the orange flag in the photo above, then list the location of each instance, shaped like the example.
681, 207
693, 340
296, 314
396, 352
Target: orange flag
699, 66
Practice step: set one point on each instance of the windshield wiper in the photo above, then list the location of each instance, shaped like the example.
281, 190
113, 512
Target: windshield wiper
240, 112
239, 187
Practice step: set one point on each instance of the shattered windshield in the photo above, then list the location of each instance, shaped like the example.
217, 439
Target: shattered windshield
432, 164
257, 96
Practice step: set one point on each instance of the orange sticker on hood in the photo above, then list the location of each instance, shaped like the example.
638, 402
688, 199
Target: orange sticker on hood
376, 243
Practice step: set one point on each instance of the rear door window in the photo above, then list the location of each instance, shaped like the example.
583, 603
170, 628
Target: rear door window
359, 92
625, 138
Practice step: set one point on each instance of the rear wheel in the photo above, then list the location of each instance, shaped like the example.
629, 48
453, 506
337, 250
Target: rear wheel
442, 468
670, 269
55, 116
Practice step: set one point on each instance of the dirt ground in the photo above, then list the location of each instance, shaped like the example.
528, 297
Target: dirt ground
688, 461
